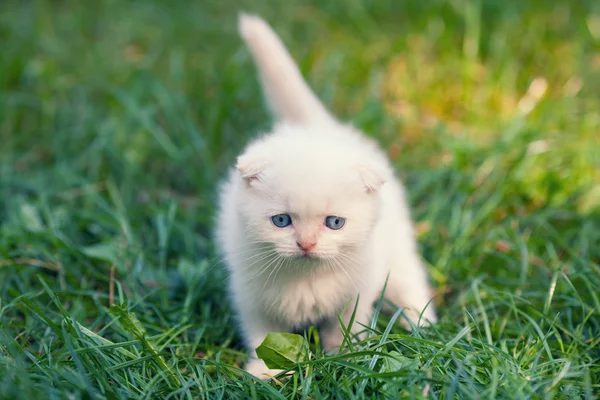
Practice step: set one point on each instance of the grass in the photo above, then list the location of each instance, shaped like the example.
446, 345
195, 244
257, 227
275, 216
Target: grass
118, 118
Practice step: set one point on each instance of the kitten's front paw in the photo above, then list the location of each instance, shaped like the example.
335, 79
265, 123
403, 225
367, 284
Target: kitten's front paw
259, 369
420, 320
331, 340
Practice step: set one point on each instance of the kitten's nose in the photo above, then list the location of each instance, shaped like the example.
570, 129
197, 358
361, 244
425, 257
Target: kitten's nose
306, 246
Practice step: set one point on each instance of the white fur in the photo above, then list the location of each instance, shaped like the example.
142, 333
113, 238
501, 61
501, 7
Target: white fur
287, 94
312, 166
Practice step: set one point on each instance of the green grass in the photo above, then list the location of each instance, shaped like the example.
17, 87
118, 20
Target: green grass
118, 118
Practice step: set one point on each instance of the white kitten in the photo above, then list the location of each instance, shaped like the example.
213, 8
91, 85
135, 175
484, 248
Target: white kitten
312, 217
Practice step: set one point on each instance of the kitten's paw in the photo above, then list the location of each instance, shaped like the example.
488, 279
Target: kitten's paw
420, 320
331, 347
259, 369
331, 340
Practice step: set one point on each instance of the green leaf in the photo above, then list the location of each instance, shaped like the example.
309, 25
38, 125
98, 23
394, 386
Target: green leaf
31, 218
281, 350
396, 362
105, 251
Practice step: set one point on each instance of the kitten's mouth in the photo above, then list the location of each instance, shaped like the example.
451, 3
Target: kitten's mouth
302, 256
305, 256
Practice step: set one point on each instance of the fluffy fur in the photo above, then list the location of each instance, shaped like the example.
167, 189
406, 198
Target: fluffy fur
312, 166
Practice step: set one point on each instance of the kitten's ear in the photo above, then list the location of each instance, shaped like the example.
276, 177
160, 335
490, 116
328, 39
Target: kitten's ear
250, 167
371, 178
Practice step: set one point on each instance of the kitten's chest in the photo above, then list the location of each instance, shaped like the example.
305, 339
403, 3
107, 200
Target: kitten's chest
304, 299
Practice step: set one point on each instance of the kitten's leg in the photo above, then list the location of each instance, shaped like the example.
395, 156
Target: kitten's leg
408, 287
256, 326
330, 331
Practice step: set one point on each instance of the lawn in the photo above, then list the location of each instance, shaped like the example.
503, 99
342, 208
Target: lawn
118, 118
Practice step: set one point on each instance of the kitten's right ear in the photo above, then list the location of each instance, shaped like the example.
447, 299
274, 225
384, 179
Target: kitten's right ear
249, 167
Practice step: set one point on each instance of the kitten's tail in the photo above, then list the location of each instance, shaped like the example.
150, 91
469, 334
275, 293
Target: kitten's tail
288, 95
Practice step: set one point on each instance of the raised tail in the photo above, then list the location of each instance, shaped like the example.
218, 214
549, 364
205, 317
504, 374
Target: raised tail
288, 95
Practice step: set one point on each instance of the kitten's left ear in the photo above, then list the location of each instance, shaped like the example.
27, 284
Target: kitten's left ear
249, 167
371, 178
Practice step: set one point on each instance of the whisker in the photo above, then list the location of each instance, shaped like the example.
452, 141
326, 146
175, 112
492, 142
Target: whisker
271, 273
264, 268
341, 267
262, 259
260, 254
267, 266
353, 264
282, 265
246, 248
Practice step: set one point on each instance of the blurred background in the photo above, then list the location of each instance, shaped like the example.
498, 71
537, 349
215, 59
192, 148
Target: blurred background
163, 92
118, 118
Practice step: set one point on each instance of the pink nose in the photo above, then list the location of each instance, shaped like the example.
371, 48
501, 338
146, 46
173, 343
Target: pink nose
306, 246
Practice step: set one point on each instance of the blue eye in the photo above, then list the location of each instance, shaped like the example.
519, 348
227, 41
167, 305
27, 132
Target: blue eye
281, 220
335, 223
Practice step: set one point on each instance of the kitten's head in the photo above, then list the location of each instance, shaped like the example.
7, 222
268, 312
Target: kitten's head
310, 193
